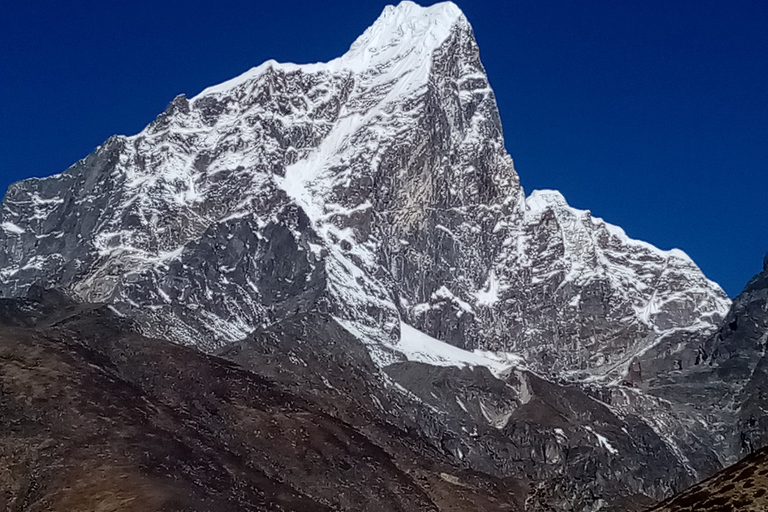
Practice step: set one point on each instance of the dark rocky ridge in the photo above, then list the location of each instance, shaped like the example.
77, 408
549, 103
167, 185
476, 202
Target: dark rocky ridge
721, 379
96, 417
156, 426
521, 426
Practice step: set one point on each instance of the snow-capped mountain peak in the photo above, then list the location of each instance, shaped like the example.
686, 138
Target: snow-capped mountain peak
406, 28
385, 174
374, 194
405, 34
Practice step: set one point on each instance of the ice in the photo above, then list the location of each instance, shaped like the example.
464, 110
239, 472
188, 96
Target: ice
461, 404
490, 294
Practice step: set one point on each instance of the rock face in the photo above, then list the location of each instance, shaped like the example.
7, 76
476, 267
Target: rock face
368, 205
721, 380
574, 451
738, 357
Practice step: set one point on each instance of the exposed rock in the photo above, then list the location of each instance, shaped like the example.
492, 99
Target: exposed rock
719, 381
378, 180
575, 449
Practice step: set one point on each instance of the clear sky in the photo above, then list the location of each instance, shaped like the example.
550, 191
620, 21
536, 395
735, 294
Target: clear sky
652, 114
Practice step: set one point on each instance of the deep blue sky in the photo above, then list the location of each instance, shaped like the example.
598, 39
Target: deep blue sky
653, 114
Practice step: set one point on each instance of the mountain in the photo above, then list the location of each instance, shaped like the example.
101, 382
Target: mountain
572, 450
359, 225
723, 378
377, 182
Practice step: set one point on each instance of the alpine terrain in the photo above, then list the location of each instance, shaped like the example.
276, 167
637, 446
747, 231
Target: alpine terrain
354, 236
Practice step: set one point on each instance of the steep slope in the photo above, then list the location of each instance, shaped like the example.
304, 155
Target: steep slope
721, 379
95, 417
576, 451
742, 487
738, 355
583, 300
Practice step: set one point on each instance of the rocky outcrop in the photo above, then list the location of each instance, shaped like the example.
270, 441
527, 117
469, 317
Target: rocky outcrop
720, 379
577, 451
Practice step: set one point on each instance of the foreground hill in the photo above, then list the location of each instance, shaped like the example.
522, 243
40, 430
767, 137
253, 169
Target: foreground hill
96, 417
742, 487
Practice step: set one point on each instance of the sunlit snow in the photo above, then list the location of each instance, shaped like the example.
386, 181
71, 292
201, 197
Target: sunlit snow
420, 347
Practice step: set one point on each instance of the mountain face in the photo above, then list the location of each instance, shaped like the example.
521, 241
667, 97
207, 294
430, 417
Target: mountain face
722, 379
572, 451
368, 206
377, 182
732, 375
737, 355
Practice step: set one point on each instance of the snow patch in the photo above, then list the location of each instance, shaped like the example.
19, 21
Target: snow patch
603, 441
10, 227
420, 347
446, 294
490, 294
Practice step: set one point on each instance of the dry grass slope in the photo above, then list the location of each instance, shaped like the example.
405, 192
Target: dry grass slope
742, 487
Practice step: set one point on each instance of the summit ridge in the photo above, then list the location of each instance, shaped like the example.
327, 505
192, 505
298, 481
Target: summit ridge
406, 33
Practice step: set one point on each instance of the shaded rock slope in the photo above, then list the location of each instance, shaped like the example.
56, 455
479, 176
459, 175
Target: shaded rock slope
575, 451
355, 233
96, 417
722, 379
